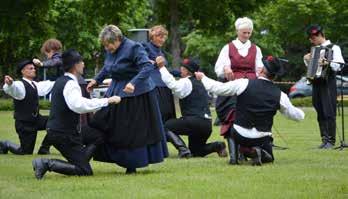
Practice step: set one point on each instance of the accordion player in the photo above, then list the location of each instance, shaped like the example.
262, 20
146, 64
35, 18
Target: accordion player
318, 67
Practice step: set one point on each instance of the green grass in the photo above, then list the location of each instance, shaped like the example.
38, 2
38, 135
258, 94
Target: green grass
299, 172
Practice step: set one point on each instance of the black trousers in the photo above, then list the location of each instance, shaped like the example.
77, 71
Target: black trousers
197, 129
263, 142
92, 135
27, 133
72, 149
324, 99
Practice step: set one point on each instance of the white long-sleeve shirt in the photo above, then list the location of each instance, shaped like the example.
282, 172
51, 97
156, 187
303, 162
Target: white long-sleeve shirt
76, 102
243, 48
181, 88
17, 89
336, 57
237, 87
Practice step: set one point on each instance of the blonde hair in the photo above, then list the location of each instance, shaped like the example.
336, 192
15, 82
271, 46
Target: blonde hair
110, 34
51, 45
158, 30
244, 22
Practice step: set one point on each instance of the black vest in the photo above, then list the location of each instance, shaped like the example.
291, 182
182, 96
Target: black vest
196, 103
61, 118
257, 105
28, 108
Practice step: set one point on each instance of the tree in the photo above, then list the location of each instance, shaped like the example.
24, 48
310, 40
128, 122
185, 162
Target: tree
284, 23
23, 25
205, 16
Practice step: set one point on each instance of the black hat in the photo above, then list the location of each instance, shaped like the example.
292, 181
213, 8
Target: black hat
190, 64
273, 65
22, 64
70, 58
314, 29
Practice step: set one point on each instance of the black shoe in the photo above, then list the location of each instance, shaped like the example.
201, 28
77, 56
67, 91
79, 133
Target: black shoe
222, 149
131, 171
179, 144
40, 167
256, 160
44, 151
242, 158
185, 153
322, 145
328, 146
3, 147
233, 151
266, 157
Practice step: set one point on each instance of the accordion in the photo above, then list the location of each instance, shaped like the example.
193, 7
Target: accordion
316, 69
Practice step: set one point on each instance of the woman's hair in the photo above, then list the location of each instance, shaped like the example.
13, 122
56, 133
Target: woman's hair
51, 45
243, 22
110, 34
157, 30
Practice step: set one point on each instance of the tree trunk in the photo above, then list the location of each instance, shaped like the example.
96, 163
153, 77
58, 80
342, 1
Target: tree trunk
174, 32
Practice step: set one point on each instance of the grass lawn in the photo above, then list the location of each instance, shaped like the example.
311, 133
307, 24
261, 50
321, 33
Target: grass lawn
299, 172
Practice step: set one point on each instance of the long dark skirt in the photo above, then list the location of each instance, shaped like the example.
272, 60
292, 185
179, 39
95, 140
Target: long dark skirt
134, 132
166, 103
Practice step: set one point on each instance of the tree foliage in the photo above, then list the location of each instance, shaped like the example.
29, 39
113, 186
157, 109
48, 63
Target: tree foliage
210, 18
22, 27
279, 29
197, 28
285, 22
26, 24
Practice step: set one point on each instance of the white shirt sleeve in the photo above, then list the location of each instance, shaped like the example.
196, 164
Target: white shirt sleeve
337, 57
44, 87
289, 110
222, 61
73, 98
235, 87
258, 60
16, 90
180, 88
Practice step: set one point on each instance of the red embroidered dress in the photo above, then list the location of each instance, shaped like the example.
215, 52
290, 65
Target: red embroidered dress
242, 67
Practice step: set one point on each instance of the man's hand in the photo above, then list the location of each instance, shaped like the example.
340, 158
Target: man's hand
307, 57
228, 73
258, 71
114, 100
129, 88
160, 61
199, 75
323, 62
91, 85
107, 82
8, 80
37, 62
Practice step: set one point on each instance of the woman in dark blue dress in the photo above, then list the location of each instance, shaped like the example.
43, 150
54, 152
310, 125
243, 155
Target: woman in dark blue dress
134, 137
158, 35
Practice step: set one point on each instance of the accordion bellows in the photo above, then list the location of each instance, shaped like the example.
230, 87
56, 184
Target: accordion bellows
316, 69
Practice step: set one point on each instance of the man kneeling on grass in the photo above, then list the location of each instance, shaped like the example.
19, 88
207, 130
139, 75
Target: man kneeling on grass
62, 126
257, 103
196, 118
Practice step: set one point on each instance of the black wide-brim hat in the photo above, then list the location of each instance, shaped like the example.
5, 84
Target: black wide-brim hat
273, 65
190, 64
22, 64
